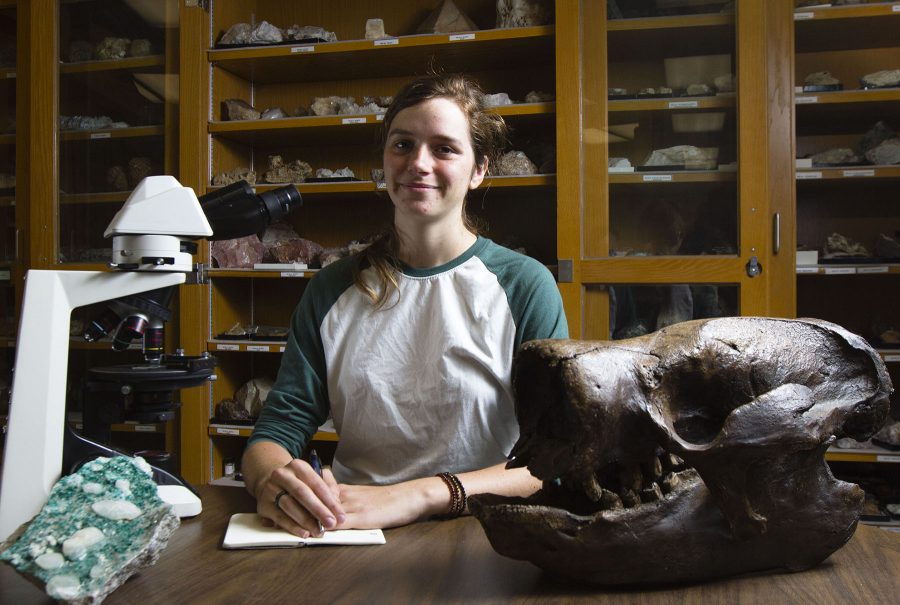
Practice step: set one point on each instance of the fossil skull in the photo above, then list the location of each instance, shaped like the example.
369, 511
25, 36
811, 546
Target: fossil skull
691, 453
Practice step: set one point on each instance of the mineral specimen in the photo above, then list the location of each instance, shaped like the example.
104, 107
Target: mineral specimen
252, 395
887, 247
239, 33
80, 50
696, 90
889, 433
229, 410
840, 246
876, 135
273, 113
239, 253
88, 123
138, 169
522, 13
334, 105
116, 179
514, 163
99, 527
881, 79
238, 109
446, 19
537, 96
497, 99
724, 83
841, 156
279, 172
266, 33
309, 32
340, 173
886, 153
140, 47
698, 158
232, 176
619, 163
375, 29
112, 48
820, 78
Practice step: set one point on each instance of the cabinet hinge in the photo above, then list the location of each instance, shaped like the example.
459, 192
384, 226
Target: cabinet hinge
198, 275
566, 272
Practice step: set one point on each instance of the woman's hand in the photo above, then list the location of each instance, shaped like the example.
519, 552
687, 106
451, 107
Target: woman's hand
380, 506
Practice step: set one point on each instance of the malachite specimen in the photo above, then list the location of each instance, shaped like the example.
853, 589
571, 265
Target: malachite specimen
99, 526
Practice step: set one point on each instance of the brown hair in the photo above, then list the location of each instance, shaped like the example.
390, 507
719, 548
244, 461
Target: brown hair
488, 133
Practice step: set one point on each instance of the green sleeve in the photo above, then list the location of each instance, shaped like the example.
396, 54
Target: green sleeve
298, 403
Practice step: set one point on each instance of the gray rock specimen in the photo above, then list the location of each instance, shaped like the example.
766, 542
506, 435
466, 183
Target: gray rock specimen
841, 156
377, 175
279, 172
697, 158
309, 32
375, 29
116, 179
619, 163
238, 109
889, 433
239, 33
266, 33
514, 163
100, 526
334, 105
229, 410
112, 48
662, 90
886, 153
89, 123
876, 135
446, 19
841, 246
522, 13
820, 78
232, 176
725, 83
539, 96
340, 173
140, 47
881, 79
616, 91
497, 99
252, 395
887, 247
81, 50
699, 89
239, 253
273, 113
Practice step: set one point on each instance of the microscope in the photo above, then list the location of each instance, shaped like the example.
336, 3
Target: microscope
154, 237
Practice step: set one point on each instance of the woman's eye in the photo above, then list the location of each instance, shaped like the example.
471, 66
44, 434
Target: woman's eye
444, 150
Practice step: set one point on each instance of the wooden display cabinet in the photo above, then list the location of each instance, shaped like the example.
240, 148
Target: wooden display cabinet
856, 200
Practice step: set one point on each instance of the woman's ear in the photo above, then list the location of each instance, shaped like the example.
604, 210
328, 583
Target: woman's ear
479, 171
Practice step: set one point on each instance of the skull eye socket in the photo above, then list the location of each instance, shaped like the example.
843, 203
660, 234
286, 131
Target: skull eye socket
698, 398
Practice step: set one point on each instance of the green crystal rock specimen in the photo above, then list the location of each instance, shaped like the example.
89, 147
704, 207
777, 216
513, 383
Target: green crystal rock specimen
99, 526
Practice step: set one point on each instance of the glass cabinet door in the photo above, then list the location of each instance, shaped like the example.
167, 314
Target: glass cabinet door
10, 261
678, 214
117, 117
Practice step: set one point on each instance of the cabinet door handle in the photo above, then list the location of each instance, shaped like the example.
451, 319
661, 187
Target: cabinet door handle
776, 233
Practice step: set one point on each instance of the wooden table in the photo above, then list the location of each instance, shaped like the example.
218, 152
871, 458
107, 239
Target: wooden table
447, 562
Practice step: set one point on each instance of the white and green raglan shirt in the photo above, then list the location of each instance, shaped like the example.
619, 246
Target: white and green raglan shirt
422, 384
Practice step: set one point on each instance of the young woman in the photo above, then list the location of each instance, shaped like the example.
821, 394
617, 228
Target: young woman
409, 344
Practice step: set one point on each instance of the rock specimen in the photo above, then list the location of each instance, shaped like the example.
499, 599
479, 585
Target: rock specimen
514, 163
841, 246
286, 246
497, 99
821, 78
239, 253
340, 173
80, 50
377, 175
238, 109
334, 105
139, 168
232, 176
696, 158
697, 90
116, 179
140, 47
239, 33
99, 527
724, 83
538, 96
375, 29
446, 19
876, 135
89, 123
229, 410
252, 395
692, 453
273, 113
279, 172
886, 153
112, 48
887, 247
881, 79
309, 32
522, 13
266, 33
619, 163
841, 156
889, 433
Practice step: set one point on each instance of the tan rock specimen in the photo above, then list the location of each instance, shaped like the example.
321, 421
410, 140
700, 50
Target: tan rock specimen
445, 19
279, 172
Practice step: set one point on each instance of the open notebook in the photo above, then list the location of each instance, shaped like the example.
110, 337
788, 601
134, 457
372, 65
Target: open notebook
245, 530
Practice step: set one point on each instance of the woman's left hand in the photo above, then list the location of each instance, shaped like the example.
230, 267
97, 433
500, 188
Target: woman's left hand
371, 506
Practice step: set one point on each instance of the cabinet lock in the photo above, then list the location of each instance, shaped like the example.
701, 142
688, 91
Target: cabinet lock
753, 267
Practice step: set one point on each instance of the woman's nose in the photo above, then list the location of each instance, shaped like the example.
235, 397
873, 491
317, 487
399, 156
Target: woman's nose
420, 160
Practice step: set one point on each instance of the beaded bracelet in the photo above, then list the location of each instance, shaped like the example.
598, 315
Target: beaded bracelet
458, 498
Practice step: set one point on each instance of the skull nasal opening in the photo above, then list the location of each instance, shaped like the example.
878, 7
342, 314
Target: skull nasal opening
697, 396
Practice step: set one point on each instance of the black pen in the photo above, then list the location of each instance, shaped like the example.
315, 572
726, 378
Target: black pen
316, 465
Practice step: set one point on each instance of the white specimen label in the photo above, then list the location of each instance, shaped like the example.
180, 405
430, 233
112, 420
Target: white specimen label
649, 178
303, 49
457, 37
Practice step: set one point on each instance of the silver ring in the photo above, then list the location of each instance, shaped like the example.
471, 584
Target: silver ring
278, 497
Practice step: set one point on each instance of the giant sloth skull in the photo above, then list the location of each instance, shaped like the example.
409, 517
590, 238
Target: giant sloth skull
691, 453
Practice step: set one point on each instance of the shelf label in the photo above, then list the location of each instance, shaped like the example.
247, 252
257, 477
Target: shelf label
144, 428
878, 269
293, 274
387, 42
886, 458
221, 347
807, 270
303, 49
806, 100
657, 178
4, 275
683, 104
840, 270
804, 16
892, 357
224, 431
803, 176
258, 348
379, 117
360, 120
866, 172
895, 8
380, 185
281, 349
10, 74
458, 37
100, 135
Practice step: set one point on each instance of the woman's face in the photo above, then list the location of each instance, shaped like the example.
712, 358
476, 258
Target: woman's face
429, 163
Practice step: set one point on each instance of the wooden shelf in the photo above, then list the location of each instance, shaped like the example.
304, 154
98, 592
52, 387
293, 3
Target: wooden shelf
7, 73
94, 198
489, 49
871, 453
846, 97
862, 269
848, 173
845, 27
128, 427
845, 111
890, 355
112, 133
7, 201
721, 101
245, 346
126, 64
660, 37
687, 176
236, 430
